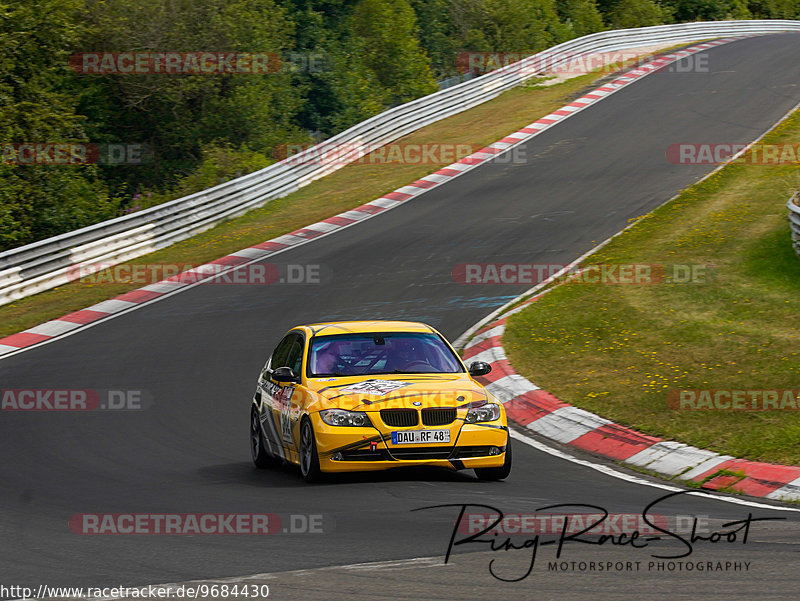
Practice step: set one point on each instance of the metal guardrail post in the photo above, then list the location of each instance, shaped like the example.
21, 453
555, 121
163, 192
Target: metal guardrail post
794, 220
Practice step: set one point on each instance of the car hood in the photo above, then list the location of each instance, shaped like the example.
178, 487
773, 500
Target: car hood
397, 391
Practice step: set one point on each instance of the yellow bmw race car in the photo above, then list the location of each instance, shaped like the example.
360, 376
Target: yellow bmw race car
374, 395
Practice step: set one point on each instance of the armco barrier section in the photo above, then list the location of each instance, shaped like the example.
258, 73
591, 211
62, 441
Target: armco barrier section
49, 263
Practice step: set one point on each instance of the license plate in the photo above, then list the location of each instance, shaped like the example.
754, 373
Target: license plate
420, 436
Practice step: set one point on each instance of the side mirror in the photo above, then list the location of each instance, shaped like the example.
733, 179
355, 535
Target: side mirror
284, 374
479, 368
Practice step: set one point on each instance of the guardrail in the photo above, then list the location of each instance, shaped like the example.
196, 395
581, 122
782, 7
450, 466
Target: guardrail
49, 263
794, 220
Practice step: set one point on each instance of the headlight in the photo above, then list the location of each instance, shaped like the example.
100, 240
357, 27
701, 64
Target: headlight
485, 413
340, 417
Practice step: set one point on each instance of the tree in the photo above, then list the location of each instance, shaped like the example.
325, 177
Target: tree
40, 200
636, 13
708, 10
582, 16
385, 38
775, 9
519, 26
437, 34
178, 114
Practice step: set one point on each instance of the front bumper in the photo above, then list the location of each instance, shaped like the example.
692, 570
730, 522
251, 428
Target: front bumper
350, 449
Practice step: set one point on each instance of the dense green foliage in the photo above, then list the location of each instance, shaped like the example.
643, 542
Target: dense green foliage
340, 61
40, 201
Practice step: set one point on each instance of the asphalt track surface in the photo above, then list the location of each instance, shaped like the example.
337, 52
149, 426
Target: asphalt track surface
197, 355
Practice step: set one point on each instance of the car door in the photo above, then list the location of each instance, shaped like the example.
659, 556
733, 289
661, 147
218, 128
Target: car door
287, 404
272, 393
281, 398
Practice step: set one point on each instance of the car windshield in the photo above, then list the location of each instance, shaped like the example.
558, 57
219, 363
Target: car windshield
390, 353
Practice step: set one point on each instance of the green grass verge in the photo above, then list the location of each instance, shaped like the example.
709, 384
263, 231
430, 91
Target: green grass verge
616, 350
345, 189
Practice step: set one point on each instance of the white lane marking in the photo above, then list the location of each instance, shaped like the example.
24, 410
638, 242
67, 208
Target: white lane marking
409, 189
249, 253
490, 355
435, 177
53, 328
396, 564
517, 135
670, 457
112, 306
289, 239
565, 424
163, 286
320, 226
706, 466
464, 166
785, 490
510, 387
491, 333
386, 203
355, 214
609, 471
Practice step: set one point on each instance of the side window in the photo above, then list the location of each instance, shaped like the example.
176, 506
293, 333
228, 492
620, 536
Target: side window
295, 357
281, 352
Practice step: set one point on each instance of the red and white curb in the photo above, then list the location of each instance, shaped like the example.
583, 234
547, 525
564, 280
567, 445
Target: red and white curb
78, 320
539, 411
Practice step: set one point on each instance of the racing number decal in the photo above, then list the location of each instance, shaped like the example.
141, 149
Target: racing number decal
284, 397
281, 403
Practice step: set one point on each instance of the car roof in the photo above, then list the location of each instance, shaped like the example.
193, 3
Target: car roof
366, 327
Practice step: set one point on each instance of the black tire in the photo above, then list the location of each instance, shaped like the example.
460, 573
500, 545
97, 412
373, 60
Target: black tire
261, 457
309, 458
496, 473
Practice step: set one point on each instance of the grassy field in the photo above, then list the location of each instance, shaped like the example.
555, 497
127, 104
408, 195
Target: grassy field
618, 350
345, 189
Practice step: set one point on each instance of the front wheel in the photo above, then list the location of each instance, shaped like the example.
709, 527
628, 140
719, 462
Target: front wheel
309, 459
496, 473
